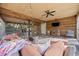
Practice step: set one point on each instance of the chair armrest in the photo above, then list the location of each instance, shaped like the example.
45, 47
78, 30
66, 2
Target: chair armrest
66, 52
15, 54
70, 51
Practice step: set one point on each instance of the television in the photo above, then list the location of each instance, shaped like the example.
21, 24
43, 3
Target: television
55, 24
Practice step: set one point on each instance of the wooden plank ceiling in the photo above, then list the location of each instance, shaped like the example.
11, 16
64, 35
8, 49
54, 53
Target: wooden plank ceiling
10, 13
34, 11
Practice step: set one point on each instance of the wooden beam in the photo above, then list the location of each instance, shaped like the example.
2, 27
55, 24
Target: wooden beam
10, 13
60, 18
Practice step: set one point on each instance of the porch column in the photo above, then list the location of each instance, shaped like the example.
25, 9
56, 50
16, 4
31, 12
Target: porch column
78, 26
2, 28
43, 28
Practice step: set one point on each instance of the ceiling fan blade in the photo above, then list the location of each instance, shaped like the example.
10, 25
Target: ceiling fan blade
46, 15
47, 11
51, 14
52, 11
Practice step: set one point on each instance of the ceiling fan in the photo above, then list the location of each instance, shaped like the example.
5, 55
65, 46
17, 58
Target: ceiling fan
48, 12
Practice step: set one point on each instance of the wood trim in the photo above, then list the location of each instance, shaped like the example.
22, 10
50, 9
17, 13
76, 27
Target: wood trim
61, 18
10, 13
